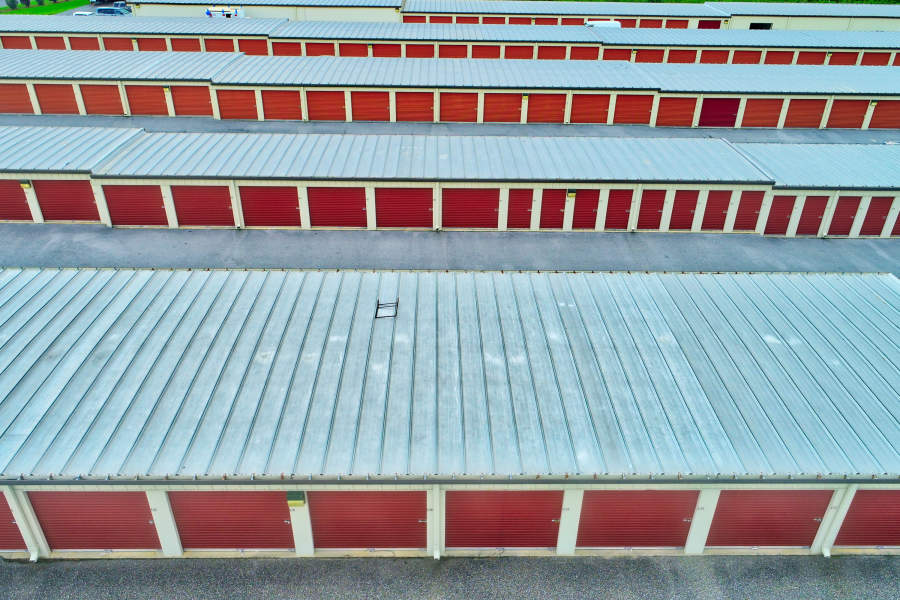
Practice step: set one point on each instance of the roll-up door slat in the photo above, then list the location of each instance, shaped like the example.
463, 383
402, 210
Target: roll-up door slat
326, 106
415, 106
675, 112
811, 215
370, 106
56, 98
237, 104
844, 213
633, 109
502, 108
650, 212
282, 104
589, 108
748, 211
101, 99
584, 215
459, 107
546, 108
146, 99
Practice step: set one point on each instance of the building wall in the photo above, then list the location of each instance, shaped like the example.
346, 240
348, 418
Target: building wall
816, 23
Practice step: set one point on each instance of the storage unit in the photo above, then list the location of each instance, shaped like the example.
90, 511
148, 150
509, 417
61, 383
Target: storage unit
518, 215
844, 214
762, 112
675, 112
546, 108
192, 100
502, 519
371, 106
553, 206
502, 108
56, 98
589, 108
848, 114
650, 213
270, 205
584, 215
10, 536
101, 99
66, 200
146, 100
872, 520
876, 216
811, 215
415, 106
135, 204
684, 207
469, 207
635, 519
281, 104
348, 520
719, 112
805, 112
631, 108
780, 214
326, 106
457, 106
768, 517
337, 206
211, 520
747, 215
14, 98
716, 213
237, 104
13, 203
404, 207
203, 205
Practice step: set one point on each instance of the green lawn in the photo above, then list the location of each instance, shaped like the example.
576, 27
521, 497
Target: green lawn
48, 9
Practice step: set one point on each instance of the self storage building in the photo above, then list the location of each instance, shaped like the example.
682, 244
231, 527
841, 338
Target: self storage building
202, 413
300, 10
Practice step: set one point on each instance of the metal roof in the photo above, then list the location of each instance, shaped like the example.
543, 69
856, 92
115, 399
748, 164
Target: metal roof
70, 149
827, 166
797, 9
731, 38
310, 3
267, 374
442, 158
535, 7
357, 30
142, 25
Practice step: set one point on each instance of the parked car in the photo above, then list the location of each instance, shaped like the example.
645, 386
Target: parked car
112, 11
122, 5
82, 13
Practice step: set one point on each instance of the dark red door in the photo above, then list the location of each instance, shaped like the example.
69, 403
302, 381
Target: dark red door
56, 98
589, 108
876, 216
746, 57
44, 42
502, 108
780, 215
368, 519
546, 108
650, 213
779, 57
633, 109
584, 53
748, 211
326, 106
675, 112
319, 49
219, 44
270, 206
551, 52
14, 98
253, 47
203, 205
420, 50
152, 44
843, 58
676, 23
66, 200
237, 104
682, 56
651, 23
358, 50
118, 43
337, 206
146, 99
84, 43
875, 59
635, 519
683, 209
227, 520
13, 204
370, 106
768, 517
185, 44
709, 24
804, 113
715, 57
192, 100
10, 536
522, 52
719, 112
716, 212
649, 55
553, 204
501, 519
95, 520
810, 58
886, 114
281, 104
873, 520
101, 99
811, 215
470, 207
404, 207
459, 107
847, 114
135, 204
518, 214
287, 49
386, 50
844, 214
415, 106
616, 54
453, 51
762, 112
16, 42
485, 51
584, 215
618, 209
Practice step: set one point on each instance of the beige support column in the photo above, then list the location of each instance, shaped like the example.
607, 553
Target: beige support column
794, 221
28, 523
37, 215
742, 108
169, 206
437, 208
867, 120
891, 218
731, 214
164, 520
480, 108
304, 207
833, 519
214, 96
860, 217
392, 103
370, 208
569, 518
567, 116
437, 106
827, 112
435, 522
764, 209
536, 199
301, 525
695, 120
503, 209
783, 115
699, 210
32, 96
611, 113
170, 104
304, 110
825, 225
100, 201
602, 204
635, 208
654, 110
569, 210
126, 107
523, 116
257, 98
348, 104
237, 209
668, 205
704, 511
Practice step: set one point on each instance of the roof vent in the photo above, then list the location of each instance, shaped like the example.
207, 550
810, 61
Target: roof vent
386, 310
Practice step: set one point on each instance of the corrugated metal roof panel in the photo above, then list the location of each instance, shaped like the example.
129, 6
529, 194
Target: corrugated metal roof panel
797, 9
68, 149
730, 38
536, 7
431, 31
156, 374
313, 3
827, 166
145, 25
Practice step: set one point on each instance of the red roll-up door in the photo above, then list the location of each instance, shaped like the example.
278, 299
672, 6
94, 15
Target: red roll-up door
676, 23
875, 59
84, 43
404, 207
811, 215
627, 23
650, 213
886, 115
192, 100
546, 21
780, 215
767, 517
651, 23
616, 54
551, 52
101, 99
95, 520
707, 24
16, 42
844, 214
218, 44
501, 519
44, 42
762, 112
502, 108
10, 536
748, 211
326, 106
413, 18
553, 205
226, 520
419, 50
56, 98
716, 212
649, 55
270, 206
470, 207
280, 104
66, 200
237, 104
135, 204
746, 57
843, 58
589, 108
118, 43
584, 214
847, 114
287, 49
719, 112
386, 50
675, 112
618, 209
434, 19
13, 205
319, 49
359, 50
636, 519
415, 106
804, 113
714, 57
876, 216
518, 214
682, 56
370, 106
811, 58
467, 20
337, 206
484, 51
253, 47
459, 107
683, 209
546, 108
185, 44
146, 99
493, 20
14, 98
779, 57
523, 52
151, 44
584, 53
520, 21
633, 109
368, 519
453, 51
572, 21
873, 520
203, 205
